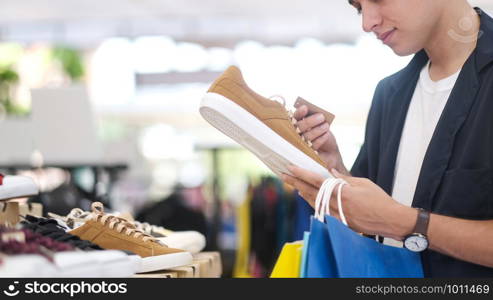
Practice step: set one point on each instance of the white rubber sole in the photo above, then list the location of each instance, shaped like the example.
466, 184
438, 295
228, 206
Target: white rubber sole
27, 265
237, 123
114, 263
77, 264
163, 262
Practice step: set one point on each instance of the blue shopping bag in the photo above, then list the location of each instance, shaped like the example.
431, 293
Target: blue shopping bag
334, 250
320, 261
363, 257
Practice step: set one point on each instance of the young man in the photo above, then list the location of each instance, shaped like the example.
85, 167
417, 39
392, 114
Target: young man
428, 141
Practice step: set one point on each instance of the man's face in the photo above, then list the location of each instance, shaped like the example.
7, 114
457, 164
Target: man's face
404, 25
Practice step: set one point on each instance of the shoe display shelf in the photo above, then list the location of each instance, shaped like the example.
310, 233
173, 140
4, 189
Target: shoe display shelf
205, 265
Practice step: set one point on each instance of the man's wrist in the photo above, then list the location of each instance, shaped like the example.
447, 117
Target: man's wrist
402, 221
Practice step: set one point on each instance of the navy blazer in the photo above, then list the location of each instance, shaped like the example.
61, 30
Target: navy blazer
456, 177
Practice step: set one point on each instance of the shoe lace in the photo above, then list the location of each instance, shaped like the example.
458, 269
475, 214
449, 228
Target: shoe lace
75, 215
293, 120
118, 224
150, 229
144, 226
78, 213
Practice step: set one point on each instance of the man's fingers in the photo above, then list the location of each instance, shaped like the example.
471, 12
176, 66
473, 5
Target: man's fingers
307, 176
320, 141
305, 188
317, 131
301, 112
311, 122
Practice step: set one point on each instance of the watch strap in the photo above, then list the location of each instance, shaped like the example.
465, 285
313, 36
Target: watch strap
422, 222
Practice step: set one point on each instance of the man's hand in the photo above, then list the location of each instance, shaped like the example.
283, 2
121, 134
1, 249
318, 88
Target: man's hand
316, 129
367, 207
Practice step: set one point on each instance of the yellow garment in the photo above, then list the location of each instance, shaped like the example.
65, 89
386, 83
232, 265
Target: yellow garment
289, 261
241, 268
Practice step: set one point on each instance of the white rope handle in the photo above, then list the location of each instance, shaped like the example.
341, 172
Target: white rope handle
339, 202
322, 202
319, 211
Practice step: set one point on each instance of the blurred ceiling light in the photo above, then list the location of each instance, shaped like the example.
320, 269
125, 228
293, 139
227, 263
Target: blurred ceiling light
248, 53
192, 174
165, 174
192, 58
154, 54
34, 66
219, 59
161, 142
112, 79
309, 43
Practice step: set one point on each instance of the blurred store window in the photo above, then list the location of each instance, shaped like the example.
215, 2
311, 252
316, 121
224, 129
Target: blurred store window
157, 73
146, 90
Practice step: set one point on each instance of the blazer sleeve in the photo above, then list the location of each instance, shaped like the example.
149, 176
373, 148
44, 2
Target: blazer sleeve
366, 164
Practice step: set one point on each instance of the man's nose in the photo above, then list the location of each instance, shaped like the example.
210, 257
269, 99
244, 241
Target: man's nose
371, 15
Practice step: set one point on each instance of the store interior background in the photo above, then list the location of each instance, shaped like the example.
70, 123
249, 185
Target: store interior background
101, 98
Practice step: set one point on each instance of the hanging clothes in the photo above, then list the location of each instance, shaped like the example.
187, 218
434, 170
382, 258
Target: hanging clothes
303, 211
242, 261
172, 213
264, 229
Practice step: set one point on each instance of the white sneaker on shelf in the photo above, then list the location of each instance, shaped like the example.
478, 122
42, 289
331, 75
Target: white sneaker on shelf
165, 262
26, 265
115, 263
77, 264
190, 241
12, 187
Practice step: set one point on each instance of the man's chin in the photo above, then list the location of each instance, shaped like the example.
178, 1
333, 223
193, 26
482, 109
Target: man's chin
403, 52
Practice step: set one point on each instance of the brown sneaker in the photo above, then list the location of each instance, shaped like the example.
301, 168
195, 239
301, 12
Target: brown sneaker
261, 125
110, 232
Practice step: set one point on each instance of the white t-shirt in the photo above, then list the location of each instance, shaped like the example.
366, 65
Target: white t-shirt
425, 109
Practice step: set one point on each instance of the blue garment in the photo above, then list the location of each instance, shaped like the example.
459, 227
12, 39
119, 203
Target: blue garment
303, 212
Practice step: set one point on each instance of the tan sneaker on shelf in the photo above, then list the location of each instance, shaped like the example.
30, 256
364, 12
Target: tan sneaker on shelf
190, 241
111, 232
263, 126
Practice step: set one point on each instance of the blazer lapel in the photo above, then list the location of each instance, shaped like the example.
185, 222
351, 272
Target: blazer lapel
440, 149
453, 117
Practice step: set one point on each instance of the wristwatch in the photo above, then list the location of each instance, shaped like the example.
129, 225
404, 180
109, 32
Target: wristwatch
418, 241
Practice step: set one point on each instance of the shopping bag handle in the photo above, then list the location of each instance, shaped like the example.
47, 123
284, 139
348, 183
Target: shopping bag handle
319, 207
322, 202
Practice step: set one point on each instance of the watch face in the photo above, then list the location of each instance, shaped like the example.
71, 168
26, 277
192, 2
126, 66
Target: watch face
416, 243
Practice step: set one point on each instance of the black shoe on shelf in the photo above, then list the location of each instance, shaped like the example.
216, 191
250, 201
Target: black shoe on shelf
51, 228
